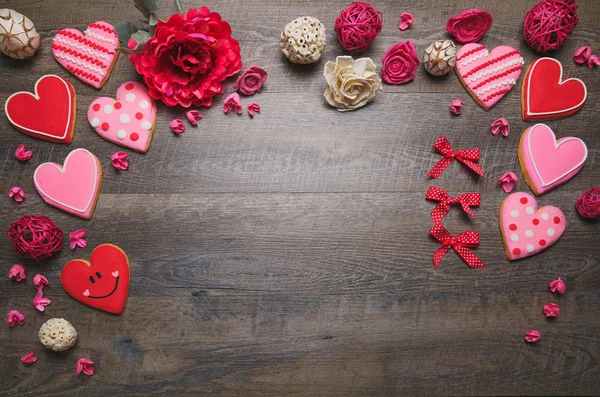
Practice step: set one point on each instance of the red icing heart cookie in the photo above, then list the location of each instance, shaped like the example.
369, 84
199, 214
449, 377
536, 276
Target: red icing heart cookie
102, 283
48, 113
546, 96
527, 230
90, 57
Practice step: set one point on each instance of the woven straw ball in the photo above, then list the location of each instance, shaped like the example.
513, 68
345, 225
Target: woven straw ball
57, 334
303, 40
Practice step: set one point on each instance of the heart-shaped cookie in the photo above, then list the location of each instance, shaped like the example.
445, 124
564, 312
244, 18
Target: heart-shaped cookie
488, 77
48, 113
103, 282
527, 230
546, 96
73, 187
546, 162
90, 57
127, 121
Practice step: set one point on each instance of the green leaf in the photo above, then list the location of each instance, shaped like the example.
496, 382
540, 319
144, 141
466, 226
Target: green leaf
153, 20
141, 37
146, 7
124, 30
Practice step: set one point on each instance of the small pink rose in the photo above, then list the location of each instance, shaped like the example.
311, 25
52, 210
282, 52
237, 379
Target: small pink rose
17, 194
14, 318
17, 272
400, 63
500, 126
86, 366
39, 281
406, 20
119, 161
177, 126
508, 181
22, 154
253, 107
551, 310
593, 61
251, 80
456, 106
582, 55
29, 358
77, 239
558, 286
233, 102
532, 336
193, 117
39, 302
469, 26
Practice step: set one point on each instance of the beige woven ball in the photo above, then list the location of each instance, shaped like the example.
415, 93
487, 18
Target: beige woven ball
18, 37
303, 40
58, 334
440, 57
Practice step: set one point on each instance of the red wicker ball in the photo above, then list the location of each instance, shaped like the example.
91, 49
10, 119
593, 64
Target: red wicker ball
35, 237
549, 23
357, 25
588, 204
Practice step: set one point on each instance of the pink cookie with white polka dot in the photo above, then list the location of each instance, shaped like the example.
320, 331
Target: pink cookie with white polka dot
527, 230
129, 120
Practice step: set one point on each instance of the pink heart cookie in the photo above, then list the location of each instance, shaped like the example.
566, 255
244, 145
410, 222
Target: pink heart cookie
527, 230
546, 162
488, 77
90, 57
73, 187
127, 121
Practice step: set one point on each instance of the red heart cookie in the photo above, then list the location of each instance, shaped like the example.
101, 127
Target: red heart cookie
102, 283
47, 114
546, 96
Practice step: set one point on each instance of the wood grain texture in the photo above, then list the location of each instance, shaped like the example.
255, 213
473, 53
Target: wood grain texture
289, 254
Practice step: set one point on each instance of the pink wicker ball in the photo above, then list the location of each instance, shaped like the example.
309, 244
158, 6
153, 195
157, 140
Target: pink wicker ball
35, 237
588, 204
549, 23
357, 25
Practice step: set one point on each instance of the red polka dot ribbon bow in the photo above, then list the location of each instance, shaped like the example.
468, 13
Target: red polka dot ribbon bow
466, 156
466, 200
461, 244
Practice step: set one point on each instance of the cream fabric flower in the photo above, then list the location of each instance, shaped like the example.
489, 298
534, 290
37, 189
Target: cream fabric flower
352, 84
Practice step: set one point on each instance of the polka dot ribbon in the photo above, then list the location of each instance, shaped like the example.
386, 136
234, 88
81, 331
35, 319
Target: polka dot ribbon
466, 200
460, 244
467, 156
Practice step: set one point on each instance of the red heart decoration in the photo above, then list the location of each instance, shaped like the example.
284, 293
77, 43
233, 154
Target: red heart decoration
48, 114
102, 283
546, 95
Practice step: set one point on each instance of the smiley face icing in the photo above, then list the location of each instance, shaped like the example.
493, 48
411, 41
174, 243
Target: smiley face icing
103, 282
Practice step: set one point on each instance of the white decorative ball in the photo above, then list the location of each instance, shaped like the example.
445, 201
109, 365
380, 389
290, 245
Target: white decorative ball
440, 57
18, 37
57, 334
303, 40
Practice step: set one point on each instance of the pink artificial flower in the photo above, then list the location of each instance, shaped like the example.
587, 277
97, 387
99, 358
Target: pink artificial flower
469, 26
551, 310
17, 193
193, 117
251, 80
39, 302
532, 336
456, 106
29, 358
39, 281
558, 286
177, 126
77, 239
233, 102
593, 61
400, 63
253, 107
17, 272
500, 126
508, 181
406, 20
582, 55
86, 366
119, 161
23, 155
15, 317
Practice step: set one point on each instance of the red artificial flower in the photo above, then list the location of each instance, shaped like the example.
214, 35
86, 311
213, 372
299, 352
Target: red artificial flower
400, 63
532, 336
582, 55
551, 310
558, 286
456, 106
469, 26
188, 58
251, 80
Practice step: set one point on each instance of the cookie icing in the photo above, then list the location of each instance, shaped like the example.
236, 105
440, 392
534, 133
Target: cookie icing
73, 187
547, 162
488, 76
546, 95
527, 230
89, 57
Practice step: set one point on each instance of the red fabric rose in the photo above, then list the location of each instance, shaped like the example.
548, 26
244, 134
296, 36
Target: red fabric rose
400, 63
251, 80
469, 26
188, 58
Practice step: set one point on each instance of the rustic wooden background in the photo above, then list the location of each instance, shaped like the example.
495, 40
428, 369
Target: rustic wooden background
289, 254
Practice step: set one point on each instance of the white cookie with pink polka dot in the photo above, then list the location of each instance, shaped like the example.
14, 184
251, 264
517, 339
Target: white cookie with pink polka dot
129, 120
527, 230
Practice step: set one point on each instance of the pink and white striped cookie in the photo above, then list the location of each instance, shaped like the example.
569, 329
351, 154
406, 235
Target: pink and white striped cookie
91, 56
488, 76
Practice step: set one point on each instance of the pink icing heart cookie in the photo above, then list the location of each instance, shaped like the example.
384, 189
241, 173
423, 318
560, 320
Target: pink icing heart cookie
129, 120
527, 230
488, 77
546, 162
73, 187
90, 57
